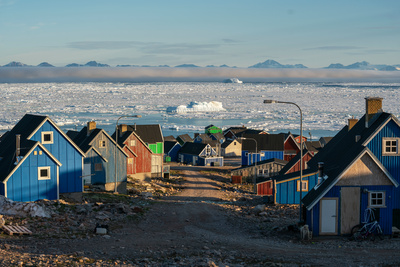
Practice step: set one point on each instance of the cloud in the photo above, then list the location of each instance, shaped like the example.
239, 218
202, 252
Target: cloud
180, 49
153, 74
108, 45
333, 47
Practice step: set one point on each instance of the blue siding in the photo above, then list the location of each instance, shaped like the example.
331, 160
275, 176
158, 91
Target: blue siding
174, 152
70, 175
385, 214
286, 192
24, 185
250, 158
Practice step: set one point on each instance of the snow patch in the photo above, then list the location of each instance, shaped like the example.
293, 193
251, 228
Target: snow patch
23, 209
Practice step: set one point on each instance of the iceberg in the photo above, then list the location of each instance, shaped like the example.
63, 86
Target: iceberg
232, 80
197, 107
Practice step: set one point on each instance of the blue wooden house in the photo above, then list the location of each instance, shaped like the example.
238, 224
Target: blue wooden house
358, 169
28, 171
268, 146
55, 146
100, 162
171, 149
198, 154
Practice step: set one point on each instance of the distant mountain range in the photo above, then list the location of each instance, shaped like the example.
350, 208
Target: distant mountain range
269, 64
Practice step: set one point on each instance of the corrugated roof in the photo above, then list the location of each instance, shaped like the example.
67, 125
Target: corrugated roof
149, 133
267, 142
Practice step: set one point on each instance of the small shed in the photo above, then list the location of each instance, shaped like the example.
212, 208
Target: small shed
264, 169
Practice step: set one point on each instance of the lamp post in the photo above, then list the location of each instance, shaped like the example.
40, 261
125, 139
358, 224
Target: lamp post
270, 101
255, 162
116, 147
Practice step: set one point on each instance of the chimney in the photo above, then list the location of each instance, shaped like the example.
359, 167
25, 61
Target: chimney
373, 105
17, 146
320, 172
352, 122
134, 127
91, 125
122, 129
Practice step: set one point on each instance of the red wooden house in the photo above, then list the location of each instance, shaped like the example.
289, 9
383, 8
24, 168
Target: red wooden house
139, 160
291, 147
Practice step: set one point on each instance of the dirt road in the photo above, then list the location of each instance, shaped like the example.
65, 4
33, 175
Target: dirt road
194, 228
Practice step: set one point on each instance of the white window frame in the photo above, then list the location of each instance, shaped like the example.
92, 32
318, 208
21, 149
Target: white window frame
51, 137
132, 143
102, 143
377, 196
394, 146
40, 177
304, 187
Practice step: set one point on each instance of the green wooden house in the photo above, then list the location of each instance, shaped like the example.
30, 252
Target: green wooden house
212, 129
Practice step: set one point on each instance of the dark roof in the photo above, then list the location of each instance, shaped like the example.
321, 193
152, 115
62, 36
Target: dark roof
293, 162
235, 130
218, 136
8, 154
313, 146
169, 138
25, 127
249, 132
72, 134
342, 150
204, 137
192, 148
259, 163
83, 140
270, 142
168, 145
185, 138
149, 133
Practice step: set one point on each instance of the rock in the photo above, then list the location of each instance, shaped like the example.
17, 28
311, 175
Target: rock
258, 209
146, 194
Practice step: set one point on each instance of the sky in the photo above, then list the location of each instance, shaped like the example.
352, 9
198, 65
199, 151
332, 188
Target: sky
207, 32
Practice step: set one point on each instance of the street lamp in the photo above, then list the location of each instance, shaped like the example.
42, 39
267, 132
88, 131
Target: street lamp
270, 101
116, 147
255, 162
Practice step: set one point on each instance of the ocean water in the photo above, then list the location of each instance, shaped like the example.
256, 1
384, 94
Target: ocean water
325, 106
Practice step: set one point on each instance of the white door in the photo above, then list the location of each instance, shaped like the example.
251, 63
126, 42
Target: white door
328, 216
87, 174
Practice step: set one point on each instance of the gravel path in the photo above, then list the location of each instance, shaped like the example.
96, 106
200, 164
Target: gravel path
198, 227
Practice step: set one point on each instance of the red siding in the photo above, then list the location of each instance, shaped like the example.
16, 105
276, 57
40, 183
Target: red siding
141, 163
265, 188
296, 167
236, 179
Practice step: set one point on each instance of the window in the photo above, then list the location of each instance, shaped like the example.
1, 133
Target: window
130, 160
47, 137
376, 199
390, 146
132, 143
98, 167
44, 173
208, 150
102, 143
304, 186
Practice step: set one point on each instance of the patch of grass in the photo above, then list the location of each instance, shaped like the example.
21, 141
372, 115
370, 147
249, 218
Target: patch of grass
106, 197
